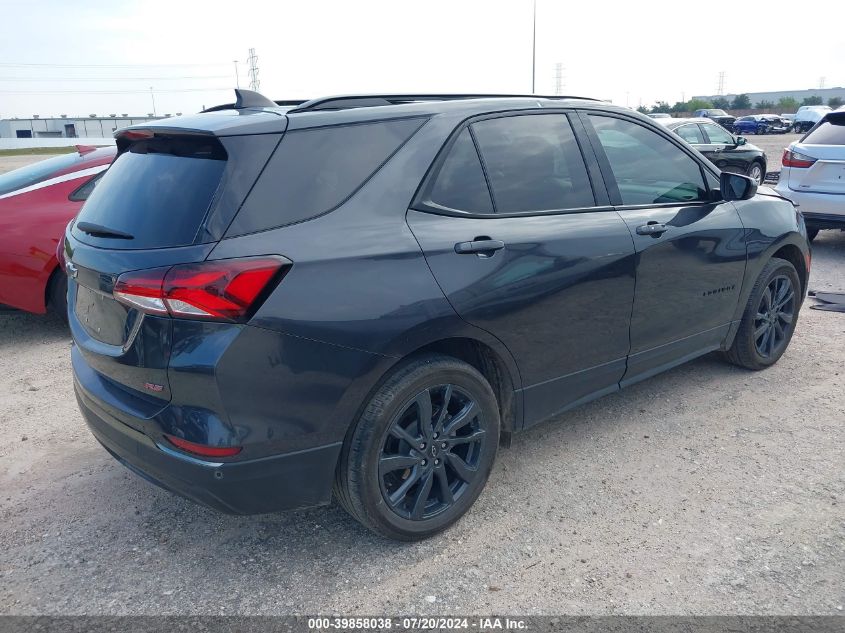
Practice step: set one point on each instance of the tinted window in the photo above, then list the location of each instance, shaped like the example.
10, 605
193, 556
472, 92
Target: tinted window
313, 171
831, 132
648, 168
718, 134
533, 163
690, 133
37, 172
158, 191
460, 183
83, 192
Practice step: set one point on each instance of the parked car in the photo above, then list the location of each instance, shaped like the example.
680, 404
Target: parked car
727, 152
659, 115
813, 174
270, 303
36, 203
719, 116
807, 117
761, 124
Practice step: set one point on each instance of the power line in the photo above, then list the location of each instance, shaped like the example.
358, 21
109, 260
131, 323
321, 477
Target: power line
14, 64
171, 78
107, 92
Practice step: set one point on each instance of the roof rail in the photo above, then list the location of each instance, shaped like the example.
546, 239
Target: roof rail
251, 99
341, 102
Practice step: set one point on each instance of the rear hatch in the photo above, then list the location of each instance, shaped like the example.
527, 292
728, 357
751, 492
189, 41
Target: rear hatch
826, 144
166, 200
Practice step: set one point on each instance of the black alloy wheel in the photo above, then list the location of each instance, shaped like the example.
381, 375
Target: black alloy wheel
422, 449
775, 316
769, 318
432, 452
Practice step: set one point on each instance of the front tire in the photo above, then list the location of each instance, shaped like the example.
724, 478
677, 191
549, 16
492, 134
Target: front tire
755, 172
769, 319
422, 450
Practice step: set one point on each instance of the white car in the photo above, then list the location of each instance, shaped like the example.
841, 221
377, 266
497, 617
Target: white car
813, 174
808, 116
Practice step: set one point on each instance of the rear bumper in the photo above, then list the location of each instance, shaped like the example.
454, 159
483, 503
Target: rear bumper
282, 482
817, 208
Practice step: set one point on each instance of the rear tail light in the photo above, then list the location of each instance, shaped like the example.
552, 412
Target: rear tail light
203, 449
60, 253
796, 159
221, 290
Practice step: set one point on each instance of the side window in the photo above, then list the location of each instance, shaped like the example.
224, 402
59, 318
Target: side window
315, 170
717, 134
691, 134
460, 182
648, 168
533, 163
82, 193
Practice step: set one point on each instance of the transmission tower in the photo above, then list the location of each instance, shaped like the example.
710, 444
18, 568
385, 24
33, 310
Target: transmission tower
560, 80
821, 83
252, 60
721, 89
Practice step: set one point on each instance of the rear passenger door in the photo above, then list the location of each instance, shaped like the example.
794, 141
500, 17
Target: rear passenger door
690, 244
524, 247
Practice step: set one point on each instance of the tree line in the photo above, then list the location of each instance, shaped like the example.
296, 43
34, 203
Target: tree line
739, 102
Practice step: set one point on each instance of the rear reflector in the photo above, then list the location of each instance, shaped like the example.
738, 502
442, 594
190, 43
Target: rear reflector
203, 449
220, 290
796, 159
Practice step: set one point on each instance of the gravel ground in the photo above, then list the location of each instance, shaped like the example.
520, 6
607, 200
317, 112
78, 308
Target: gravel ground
706, 490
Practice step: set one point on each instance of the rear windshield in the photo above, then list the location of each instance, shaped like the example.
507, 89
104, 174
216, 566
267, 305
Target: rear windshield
37, 172
158, 192
831, 132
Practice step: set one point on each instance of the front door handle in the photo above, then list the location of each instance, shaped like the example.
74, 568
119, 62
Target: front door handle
479, 246
652, 228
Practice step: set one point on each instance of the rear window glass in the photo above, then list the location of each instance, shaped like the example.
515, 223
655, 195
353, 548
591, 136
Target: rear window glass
314, 171
158, 191
828, 133
533, 163
37, 172
460, 183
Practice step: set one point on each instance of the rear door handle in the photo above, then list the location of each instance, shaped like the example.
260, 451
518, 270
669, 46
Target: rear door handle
483, 246
652, 228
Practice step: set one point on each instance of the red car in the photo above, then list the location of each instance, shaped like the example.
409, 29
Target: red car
36, 204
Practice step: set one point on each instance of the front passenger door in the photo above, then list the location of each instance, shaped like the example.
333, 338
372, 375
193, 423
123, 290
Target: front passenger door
690, 244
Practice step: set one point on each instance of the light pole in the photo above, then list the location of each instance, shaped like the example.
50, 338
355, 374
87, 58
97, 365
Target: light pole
534, 49
237, 80
153, 97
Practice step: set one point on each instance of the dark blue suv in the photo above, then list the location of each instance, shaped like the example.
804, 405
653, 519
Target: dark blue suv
366, 295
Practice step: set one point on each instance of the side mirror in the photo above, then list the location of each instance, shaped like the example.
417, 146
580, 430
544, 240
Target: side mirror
736, 187
740, 140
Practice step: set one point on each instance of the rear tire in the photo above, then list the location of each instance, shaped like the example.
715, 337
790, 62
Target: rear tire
57, 294
769, 319
409, 469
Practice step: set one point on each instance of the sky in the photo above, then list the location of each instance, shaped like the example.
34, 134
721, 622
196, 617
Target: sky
92, 57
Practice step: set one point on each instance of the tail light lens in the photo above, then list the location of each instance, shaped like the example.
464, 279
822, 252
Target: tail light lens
221, 290
796, 159
60, 253
203, 449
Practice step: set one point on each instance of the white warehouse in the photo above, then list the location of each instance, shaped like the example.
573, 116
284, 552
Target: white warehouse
68, 127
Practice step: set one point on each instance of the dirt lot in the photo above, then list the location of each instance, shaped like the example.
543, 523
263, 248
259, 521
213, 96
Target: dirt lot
708, 489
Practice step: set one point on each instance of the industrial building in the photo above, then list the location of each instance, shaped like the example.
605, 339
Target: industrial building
92, 126
774, 97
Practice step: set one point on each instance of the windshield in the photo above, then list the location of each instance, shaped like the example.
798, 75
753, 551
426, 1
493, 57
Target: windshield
717, 113
37, 172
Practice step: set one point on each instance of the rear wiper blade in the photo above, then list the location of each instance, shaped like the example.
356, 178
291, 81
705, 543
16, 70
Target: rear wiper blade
96, 230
